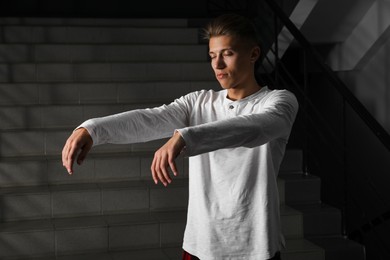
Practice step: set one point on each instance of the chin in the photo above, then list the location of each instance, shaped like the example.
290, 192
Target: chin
224, 85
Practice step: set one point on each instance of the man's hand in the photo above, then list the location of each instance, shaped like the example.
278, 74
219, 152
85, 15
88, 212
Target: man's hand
164, 158
77, 145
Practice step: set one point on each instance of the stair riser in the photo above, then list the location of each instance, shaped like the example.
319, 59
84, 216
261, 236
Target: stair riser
292, 226
39, 143
52, 21
303, 191
340, 248
309, 194
63, 72
315, 255
60, 34
89, 93
322, 224
302, 250
18, 53
27, 244
292, 162
320, 220
56, 116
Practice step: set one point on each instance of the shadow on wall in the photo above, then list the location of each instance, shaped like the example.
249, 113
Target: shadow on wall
371, 85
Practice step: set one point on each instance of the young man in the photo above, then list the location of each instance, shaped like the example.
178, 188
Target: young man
235, 139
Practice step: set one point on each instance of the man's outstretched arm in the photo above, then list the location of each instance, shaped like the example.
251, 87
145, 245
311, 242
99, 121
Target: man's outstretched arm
76, 147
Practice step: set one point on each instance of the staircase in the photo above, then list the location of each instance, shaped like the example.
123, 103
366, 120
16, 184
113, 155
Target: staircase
56, 73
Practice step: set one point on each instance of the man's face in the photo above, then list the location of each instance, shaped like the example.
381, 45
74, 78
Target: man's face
232, 61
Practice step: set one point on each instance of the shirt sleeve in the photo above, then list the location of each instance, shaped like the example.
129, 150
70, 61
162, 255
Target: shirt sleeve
140, 125
274, 121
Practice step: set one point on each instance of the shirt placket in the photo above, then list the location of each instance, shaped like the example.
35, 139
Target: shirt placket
232, 109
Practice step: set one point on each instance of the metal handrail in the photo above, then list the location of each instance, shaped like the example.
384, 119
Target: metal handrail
358, 107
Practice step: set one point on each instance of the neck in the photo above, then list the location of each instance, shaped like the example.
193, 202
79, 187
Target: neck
240, 93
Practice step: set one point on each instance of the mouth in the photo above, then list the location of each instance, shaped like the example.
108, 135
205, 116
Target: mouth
222, 75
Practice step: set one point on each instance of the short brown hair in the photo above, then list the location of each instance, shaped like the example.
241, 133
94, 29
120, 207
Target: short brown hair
231, 25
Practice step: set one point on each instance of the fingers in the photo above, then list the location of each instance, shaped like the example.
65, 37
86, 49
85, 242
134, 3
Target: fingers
160, 169
65, 157
68, 155
154, 169
77, 146
164, 159
172, 165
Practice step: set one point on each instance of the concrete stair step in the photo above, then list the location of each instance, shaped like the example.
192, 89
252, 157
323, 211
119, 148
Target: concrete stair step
97, 34
59, 116
49, 142
292, 162
104, 72
320, 220
168, 253
338, 248
37, 21
99, 93
302, 189
22, 53
302, 249
107, 233
296, 249
292, 222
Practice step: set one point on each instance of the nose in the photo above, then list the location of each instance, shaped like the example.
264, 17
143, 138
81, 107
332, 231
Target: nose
219, 63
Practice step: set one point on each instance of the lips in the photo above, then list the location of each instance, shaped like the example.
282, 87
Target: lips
221, 75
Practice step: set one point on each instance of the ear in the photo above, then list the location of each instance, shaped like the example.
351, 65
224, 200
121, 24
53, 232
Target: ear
255, 54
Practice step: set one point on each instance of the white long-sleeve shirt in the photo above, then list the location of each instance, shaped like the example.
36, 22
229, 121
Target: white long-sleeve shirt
235, 150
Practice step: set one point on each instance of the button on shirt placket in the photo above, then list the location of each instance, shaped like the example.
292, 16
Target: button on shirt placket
232, 109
